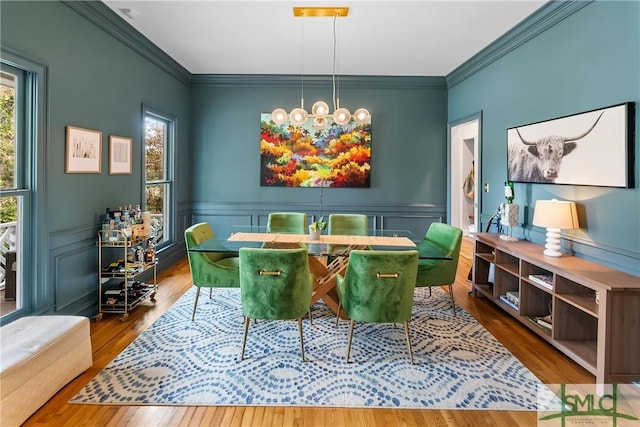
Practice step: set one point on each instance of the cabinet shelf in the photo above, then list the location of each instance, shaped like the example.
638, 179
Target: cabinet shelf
599, 336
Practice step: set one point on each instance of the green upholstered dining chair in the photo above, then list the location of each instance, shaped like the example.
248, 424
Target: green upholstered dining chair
275, 284
287, 222
209, 269
378, 288
440, 272
348, 225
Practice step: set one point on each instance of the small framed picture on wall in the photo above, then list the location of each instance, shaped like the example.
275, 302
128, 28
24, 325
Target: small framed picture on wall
84, 150
120, 149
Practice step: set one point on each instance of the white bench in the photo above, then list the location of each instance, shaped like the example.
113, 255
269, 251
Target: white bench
38, 356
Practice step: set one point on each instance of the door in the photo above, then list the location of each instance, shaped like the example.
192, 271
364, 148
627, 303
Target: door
464, 172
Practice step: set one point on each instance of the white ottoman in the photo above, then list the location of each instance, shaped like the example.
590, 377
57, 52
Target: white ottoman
38, 356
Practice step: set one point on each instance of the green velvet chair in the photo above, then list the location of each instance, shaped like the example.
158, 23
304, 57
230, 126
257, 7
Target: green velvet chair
275, 284
440, 272
347, 225
287, 222
209, 269
378, 288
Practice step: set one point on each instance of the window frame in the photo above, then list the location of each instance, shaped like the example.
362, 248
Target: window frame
30, 184
169, 172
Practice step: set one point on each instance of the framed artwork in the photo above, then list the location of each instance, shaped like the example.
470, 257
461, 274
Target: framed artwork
120, 149
592, 148
302, 156
84, 150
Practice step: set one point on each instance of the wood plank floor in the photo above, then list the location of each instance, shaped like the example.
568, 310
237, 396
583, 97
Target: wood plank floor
110, 336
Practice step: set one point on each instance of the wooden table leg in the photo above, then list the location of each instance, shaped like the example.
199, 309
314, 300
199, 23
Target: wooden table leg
325, 280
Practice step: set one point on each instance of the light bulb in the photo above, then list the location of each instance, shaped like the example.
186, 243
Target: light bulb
320, 109
319, 123
341, 116
361, 116
298, 116
279, 116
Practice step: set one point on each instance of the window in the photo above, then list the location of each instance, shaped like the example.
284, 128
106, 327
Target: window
15, 193
159, 187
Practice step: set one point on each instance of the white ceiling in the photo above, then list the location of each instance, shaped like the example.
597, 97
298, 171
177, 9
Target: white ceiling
384, 38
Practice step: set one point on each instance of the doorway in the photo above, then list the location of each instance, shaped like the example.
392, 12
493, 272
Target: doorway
464, 167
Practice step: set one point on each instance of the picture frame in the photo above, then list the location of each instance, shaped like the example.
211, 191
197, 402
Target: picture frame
304, 157
120, 152
83, 150
594, 148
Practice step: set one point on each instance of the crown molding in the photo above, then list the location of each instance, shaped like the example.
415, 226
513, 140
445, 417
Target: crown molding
541, 20
287, 80
99, 14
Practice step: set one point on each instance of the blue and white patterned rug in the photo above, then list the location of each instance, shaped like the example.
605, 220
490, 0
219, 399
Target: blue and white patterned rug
459, 364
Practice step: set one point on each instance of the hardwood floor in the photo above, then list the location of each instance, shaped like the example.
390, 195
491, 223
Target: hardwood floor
110, 336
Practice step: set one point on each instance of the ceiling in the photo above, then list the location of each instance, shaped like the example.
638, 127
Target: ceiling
382, 38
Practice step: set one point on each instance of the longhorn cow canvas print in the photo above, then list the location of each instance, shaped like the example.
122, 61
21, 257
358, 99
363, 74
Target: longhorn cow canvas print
591, 148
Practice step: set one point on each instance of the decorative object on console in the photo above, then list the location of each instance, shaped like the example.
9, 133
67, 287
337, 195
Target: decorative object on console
509, 212
320, 110
555, 215
568, 149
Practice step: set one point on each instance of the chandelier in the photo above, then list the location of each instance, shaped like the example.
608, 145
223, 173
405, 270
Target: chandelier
320, 110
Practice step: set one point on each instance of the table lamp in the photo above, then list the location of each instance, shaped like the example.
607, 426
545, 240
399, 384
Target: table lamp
555, 215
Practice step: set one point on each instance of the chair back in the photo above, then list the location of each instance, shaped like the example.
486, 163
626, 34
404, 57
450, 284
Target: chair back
348, 224
209, 269
287, 222
378, 285
275, 283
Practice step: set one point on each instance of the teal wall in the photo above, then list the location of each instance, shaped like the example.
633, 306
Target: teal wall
589, 60
97, 82
408, 138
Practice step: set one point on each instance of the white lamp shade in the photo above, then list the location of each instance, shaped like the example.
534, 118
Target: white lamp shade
319, 123
341, 116
298, 116
556, 214
320, 109
361, 116
279, 116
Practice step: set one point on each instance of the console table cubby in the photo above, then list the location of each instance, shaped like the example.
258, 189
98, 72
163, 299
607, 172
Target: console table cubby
588, 311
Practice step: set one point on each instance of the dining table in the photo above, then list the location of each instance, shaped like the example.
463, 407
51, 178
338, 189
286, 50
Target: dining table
328, 255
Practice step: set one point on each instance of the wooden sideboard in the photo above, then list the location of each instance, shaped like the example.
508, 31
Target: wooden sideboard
595, 310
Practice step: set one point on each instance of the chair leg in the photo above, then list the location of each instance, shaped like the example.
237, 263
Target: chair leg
310, 316
338, 314
195, 304
453, 303
429, 290
350, 338
301, 339
210, 293
406, 332
244, 338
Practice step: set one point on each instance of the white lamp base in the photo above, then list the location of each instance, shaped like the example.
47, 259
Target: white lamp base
552, 247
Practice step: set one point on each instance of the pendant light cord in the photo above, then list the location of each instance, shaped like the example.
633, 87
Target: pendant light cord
335, 17
302, 60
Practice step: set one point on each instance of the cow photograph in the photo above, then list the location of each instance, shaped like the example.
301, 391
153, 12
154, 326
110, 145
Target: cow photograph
591, 148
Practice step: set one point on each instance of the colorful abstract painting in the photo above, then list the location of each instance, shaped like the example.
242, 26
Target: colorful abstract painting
301, 156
